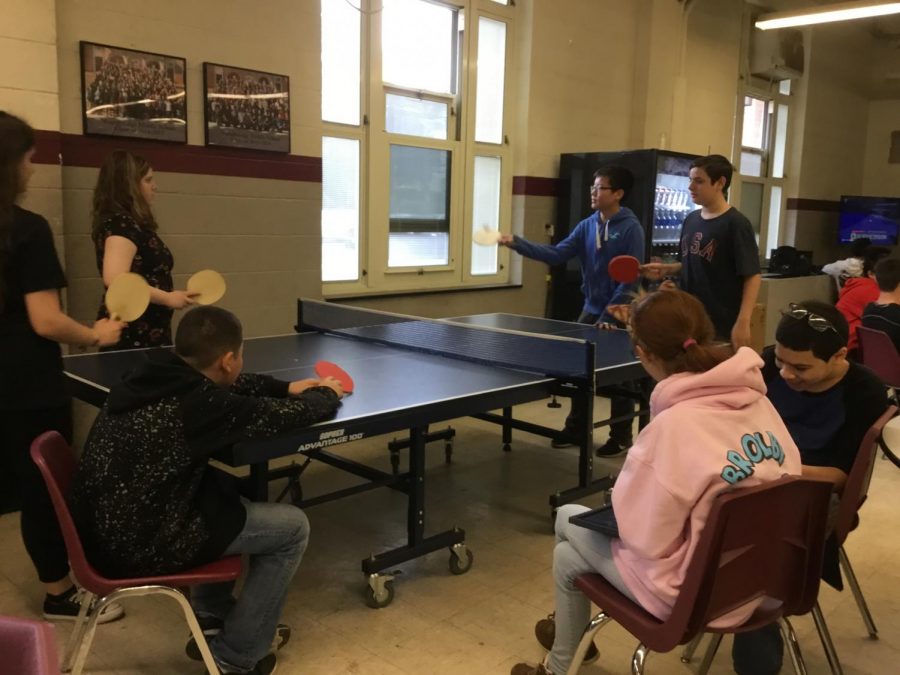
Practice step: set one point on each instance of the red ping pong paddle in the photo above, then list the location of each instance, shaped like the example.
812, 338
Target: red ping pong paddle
329, 369
626, 269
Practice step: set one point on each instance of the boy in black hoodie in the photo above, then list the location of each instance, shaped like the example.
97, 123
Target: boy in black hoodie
146, 501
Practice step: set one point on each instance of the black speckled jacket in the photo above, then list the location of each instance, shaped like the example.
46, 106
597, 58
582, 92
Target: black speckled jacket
144, 497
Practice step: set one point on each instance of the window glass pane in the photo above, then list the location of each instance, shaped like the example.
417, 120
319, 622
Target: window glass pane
501, 2
784, 87
751, 204
416, 117
340, 209
754, 134
774, 218
489, 92
340, 62
418, 45
751, 163
419, 207
780, 142
486, 212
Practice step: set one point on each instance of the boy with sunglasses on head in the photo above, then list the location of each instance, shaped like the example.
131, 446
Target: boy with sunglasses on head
827, 403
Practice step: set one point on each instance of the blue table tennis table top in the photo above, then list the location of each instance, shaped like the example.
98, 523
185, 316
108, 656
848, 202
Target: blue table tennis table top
386, 378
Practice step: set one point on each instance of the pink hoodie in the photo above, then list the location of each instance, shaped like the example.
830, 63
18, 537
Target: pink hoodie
710, 431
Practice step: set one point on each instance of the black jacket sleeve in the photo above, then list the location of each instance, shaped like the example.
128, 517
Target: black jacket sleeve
215, 419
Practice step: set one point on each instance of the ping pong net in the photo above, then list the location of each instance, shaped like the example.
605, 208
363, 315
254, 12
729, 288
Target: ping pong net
542, 354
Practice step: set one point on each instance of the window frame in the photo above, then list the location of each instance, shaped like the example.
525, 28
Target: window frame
374, 275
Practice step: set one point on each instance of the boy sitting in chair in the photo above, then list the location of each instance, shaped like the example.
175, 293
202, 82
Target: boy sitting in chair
147, 502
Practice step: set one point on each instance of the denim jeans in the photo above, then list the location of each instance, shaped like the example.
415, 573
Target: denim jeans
578, 551
275, 537
620, 432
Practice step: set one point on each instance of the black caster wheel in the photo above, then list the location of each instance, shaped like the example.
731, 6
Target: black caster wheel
382, 600
458, 566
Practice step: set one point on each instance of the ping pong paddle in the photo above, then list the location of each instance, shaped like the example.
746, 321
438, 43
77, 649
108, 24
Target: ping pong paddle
209, 284
626, 269
127, 297
484, 236
329, 369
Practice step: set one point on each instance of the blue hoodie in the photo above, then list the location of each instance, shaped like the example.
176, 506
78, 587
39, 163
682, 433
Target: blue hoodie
620, 235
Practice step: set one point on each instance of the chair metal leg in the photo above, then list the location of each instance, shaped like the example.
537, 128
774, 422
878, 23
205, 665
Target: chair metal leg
827, 644
135, 591
710, 654
793, 647
690, 648
586, 638
77, 632
857, 594
639, 659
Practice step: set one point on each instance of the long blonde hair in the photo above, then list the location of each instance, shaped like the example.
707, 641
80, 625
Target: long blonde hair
118, 191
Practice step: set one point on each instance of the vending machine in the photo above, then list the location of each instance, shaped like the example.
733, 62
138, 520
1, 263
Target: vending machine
660, 200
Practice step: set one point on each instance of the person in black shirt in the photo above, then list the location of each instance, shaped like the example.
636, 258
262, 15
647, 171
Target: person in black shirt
719, 254
126, 240
33, 398
146, 500
828, 404
884, 313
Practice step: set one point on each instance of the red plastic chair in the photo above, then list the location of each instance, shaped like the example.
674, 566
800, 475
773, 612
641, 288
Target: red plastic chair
852, 498
763, 541
56, 462
27, 647
879, 354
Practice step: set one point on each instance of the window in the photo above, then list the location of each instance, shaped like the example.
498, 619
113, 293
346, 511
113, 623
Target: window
762, 148
415, 149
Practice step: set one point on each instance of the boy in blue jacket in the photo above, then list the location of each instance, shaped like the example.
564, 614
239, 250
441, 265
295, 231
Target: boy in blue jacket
611, 230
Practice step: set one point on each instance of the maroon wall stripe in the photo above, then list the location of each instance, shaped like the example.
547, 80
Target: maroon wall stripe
801, 204
89, 151
535, 186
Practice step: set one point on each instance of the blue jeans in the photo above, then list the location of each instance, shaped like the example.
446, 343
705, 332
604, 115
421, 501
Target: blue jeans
578, 551
275, 537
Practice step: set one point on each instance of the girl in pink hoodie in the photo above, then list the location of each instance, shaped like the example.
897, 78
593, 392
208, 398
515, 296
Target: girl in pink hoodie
713, 430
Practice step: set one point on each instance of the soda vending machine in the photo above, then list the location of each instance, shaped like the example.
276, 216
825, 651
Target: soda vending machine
660, 200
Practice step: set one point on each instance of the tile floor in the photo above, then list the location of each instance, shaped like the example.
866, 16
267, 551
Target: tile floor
479, 623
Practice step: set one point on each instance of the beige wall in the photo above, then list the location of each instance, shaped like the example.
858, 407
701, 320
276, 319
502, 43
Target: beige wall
263, 235
881, 179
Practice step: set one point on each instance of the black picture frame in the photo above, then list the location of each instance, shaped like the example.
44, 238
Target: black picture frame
133, 93
245, 108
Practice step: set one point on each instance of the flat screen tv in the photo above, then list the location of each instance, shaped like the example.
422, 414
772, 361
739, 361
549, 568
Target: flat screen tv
877, 218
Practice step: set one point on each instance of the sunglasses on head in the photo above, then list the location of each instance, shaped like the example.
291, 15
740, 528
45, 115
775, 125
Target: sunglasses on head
816, 322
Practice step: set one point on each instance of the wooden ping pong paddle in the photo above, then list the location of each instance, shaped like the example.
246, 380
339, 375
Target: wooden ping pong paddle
209, 284
329, 369
127, 297
484, 236
626, 269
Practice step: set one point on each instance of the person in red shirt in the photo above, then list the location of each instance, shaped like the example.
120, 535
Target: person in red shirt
858, 292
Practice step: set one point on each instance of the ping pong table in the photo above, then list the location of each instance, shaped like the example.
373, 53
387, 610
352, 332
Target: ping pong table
410, 373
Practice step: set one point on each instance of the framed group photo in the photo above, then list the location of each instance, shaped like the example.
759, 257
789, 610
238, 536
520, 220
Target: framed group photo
135, 94
247, 109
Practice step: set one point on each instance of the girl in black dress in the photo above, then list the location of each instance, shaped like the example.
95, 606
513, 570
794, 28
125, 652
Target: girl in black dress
126, 240
33, 398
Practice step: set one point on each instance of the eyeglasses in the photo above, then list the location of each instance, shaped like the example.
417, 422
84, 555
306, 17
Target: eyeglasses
597, 188
815, 321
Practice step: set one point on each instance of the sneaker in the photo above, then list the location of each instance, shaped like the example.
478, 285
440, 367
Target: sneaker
612, 449
528, 669
545, 632
67, 606
265, 666
561, 443
211, 626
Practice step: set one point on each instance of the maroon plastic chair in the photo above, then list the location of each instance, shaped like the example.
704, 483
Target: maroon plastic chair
762, 541
27, 647
879, 354
846, 520
56, 462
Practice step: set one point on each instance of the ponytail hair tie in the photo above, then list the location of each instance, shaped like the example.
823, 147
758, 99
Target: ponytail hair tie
687, 343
